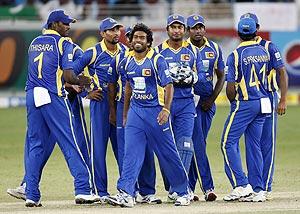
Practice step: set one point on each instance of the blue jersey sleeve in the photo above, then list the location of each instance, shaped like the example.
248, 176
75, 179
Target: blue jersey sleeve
163, 71
77, 52
67, 56
275, 56
230, 71
83, 61
220, 62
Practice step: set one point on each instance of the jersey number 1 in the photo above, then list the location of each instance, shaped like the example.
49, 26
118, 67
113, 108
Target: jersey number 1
40, 64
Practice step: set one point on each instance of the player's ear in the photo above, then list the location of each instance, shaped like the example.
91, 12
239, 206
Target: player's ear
102, 34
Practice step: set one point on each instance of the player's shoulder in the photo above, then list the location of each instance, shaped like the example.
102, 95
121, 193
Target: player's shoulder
122, 47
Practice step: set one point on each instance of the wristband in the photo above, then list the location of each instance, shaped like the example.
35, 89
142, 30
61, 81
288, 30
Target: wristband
167, 110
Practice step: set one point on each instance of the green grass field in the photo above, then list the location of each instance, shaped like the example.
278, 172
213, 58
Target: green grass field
57, 183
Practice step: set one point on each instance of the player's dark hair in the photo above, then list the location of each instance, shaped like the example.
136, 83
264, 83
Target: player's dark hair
247, 37
142, 27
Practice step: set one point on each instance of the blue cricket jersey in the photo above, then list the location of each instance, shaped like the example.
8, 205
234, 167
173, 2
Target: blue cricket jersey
187, 54
275, 60
147, 78
97, 59
212, 59
48, 55
247, 68
116, 73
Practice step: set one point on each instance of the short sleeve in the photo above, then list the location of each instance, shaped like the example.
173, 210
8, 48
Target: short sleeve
163, 71
275, 56
67, 56
230, 69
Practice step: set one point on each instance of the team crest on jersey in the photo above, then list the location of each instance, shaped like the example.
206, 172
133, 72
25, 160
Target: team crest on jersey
146, 72
185, 57
209, 55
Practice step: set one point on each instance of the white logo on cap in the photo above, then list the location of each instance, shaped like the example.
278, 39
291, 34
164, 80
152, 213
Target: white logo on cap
111, 20
175, 17
195, 17
247, 15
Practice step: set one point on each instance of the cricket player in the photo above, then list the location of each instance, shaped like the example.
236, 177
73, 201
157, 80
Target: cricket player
186, 66
145, 187
48, 109
98, 59
147, 104
213, 63
246, 80
80, 128
268, 140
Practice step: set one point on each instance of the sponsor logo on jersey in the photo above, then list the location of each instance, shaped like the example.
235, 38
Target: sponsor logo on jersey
291, 57
146, 72
185, 57
209, 55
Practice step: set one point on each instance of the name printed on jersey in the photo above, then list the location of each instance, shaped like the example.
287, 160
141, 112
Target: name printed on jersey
41, 47
257, 58
142, 96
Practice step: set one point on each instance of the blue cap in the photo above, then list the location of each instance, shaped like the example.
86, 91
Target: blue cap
250, 15
128, 31
247, 26
193, 20
108, 23
58, 16
175, 18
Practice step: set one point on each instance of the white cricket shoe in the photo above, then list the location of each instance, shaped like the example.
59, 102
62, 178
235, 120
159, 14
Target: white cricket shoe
104, 199
254, 197
239, 192
184, 200
121, 199
31, 203
172, 197
268, 195
18, 192
210, 195
86, 199
149, 199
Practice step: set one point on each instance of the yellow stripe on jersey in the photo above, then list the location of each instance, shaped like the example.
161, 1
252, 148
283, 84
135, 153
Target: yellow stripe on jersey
96, 81
161, 95
236, 62
218, 53
165, 45
243, 87
226, 136
94, 55
160, 90
50, 32
247, 43
60, 44
119, 94
59, 74
75, 49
